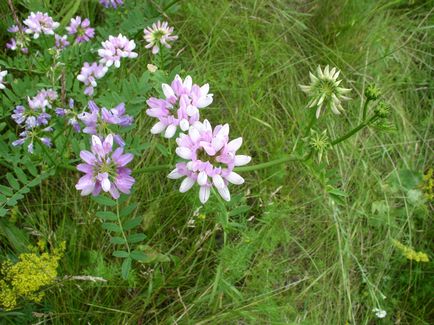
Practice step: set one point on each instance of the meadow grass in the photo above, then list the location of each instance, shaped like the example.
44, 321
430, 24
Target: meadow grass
289, 254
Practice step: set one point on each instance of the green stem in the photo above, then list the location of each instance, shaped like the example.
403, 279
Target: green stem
174, 2
271, 163
45, 151
226, 220
152, 169
120, 226
365, 109
311, 123
64, 144
355, 130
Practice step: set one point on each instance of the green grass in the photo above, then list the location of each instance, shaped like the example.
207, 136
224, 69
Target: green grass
291, 254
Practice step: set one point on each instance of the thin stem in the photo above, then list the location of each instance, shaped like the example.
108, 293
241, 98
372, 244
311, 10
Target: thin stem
65, 143
365, 109
226, 220
45, 151
355, 130
311, 123
174, 2
270, 163
120, 226
152, 169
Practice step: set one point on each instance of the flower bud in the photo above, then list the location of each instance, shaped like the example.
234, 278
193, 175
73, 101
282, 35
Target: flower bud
372, 92
382, 110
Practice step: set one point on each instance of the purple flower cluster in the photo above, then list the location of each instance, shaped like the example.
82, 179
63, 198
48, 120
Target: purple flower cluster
98, 120
35, 118
116, 48
80, 29
210, 160
180, 107
105, 169
111, 3
61, 41
89, 74
40, 23
19, 41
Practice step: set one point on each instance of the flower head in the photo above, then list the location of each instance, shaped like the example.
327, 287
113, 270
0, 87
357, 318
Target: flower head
36, 115
80, 29
2, 76
372, 92
180, 107
211, 158
19, 41
89, 74
61, 41
111, 3
40, 23
98, 120
105, 169
324, 90
159, 33
320, 143
116, 48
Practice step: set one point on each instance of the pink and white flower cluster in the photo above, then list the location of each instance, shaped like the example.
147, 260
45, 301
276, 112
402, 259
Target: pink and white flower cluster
113, 50
80, 29
89, 75
116, 48
210, 155
105, 169
210, 160
40, 23
179, 107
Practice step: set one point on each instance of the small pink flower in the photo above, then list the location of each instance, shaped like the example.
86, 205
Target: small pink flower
180, 107
89, 75
40, 23
211, 159
104, 169
159, 33
80, 29
116, 48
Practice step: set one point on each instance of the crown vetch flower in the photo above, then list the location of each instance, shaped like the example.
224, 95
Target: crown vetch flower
98, 120
211, 158
89, 74
80, 29
159, 33
61, 41
324, 90
2, 76
180, 107
20, 40
40, 23
105, 169
116, 48
111, 3
36, 115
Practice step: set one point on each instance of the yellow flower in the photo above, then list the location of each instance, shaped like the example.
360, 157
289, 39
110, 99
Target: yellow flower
28, 276
410, 253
